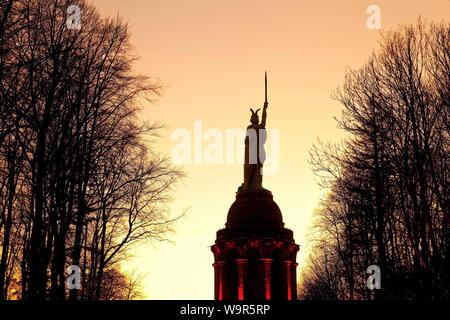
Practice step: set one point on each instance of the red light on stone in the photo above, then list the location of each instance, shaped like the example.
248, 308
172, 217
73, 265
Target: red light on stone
220, 290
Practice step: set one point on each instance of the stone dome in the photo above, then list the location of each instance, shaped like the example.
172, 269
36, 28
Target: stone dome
254, 208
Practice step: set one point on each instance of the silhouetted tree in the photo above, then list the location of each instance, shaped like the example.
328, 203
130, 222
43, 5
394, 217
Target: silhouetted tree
388, 197
78, 183
120, 286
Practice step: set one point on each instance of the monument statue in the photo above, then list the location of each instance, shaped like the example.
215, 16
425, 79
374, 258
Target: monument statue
254, 148
255, 256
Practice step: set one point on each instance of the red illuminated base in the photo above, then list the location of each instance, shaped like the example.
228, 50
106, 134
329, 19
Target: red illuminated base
255, 256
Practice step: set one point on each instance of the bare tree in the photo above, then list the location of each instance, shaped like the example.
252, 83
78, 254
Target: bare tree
388, 183
79, 184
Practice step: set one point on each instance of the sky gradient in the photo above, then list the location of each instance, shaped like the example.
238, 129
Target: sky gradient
211, 56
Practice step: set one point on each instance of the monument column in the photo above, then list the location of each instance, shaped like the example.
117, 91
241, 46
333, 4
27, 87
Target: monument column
267, 276
287, 266
242, 277
294, 280
218, 280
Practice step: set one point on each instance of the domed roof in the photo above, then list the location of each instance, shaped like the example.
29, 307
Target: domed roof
254, 208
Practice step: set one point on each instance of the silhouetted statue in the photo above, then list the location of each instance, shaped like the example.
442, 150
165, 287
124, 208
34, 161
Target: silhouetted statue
255, 256
254, 148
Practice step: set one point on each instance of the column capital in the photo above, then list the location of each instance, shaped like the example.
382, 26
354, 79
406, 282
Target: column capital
218, 263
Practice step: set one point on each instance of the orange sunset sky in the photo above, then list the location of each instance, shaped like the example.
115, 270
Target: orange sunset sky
211, 56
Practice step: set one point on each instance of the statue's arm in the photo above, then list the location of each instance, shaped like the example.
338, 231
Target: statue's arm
264, 115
